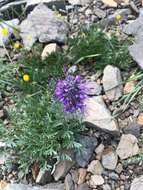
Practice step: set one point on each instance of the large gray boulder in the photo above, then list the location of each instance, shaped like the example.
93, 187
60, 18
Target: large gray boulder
135, 29
42, 24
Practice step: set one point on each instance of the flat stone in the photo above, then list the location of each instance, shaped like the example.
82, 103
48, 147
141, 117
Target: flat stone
127, 147
51, 186
133, 129
112, 83
137, 184
97, 115
42, 24
95, 167
69, 184
135, 51
109, 158
62, 168
96, 180
135, 28
99, 12
88, 143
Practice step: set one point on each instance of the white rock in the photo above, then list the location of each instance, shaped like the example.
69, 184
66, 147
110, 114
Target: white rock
96, 180
137, 184
95, 167
48, 49
128, 146
112, 83
42, 24
79, 2
109, 158
97, 115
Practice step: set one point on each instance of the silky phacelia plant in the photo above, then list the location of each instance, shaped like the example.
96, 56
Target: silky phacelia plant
71, 92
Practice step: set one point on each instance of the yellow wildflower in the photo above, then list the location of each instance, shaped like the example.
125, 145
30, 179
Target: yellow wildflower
17, 45
118, 17
26, 77
5, 32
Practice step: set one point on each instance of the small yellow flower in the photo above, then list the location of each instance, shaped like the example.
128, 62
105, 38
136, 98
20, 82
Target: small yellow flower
5, 32
17, 45
118, 17
26, 77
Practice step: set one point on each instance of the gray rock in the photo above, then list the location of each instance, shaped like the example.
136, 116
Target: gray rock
95, 167
69, 184
137, 184
88, 143
83, 187
135, 28
113, 176
133, 129
97, 115
93, 88
51, 186
112, 83
127, 147
53, 29
135, 51
106, 187
99, 12
62, 168
109, 159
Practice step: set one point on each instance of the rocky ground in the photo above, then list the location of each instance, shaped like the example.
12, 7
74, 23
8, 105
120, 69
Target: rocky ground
112, 141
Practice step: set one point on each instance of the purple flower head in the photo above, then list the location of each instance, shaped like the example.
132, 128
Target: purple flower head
71, 93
